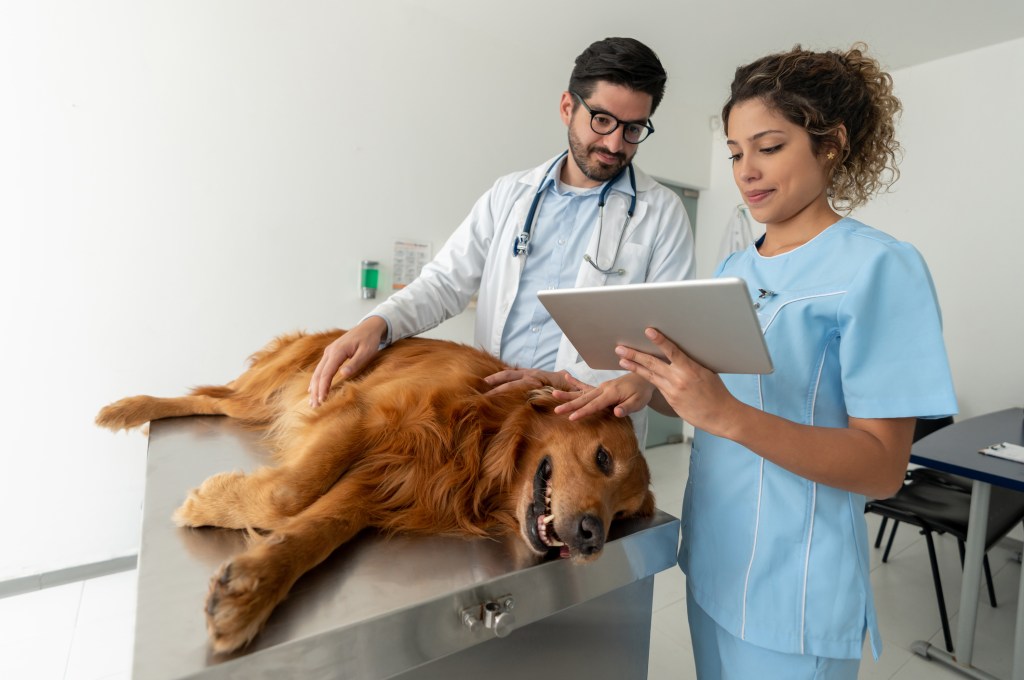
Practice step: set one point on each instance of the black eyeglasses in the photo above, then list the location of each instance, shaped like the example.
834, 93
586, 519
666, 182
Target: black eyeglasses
605, 123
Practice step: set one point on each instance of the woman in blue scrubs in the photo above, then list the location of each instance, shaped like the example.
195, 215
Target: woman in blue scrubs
774, 542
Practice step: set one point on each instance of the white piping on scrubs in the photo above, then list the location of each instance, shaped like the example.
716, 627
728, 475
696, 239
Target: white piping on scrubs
807, 567
753, 551
789, 302
760, 486
757, 522
814, 505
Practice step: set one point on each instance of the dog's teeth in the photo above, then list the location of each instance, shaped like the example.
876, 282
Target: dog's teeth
548, 519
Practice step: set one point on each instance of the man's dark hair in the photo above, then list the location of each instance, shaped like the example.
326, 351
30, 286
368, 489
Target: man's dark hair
621, 61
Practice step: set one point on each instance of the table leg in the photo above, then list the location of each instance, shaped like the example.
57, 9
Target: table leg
977, 527
1018, 635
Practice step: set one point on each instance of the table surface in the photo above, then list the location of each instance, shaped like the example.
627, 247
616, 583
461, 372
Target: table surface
377, 605
955, 448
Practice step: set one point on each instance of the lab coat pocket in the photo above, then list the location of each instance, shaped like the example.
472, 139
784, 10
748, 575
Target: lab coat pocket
635, 259
632, 259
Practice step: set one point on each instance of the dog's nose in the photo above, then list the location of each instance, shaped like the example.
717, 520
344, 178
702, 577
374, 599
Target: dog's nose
590, 535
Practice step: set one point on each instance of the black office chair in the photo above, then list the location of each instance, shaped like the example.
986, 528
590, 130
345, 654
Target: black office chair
938, 502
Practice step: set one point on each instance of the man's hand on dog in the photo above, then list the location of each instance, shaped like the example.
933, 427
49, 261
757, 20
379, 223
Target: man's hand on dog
350, 353
517, 378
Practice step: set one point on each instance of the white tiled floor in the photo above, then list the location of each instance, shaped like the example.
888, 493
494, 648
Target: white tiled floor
78, 631
83, 631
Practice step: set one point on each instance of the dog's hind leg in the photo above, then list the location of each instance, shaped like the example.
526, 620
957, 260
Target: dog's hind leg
246, 589
268, 496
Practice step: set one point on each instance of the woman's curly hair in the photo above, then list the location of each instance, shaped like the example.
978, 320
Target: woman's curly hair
823, 92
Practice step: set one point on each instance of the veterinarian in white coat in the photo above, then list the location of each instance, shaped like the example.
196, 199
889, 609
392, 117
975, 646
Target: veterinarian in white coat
640, 233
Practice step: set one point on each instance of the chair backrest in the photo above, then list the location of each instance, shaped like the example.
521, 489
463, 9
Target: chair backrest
925, 426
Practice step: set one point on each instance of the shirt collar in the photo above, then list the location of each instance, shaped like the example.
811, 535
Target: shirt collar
551, 182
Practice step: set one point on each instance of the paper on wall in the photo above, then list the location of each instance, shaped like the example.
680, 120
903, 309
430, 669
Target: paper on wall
409, 258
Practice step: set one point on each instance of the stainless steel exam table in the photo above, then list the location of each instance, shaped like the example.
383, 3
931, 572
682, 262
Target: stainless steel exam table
404, 607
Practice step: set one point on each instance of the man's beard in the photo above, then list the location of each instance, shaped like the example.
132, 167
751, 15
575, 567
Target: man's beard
593, 169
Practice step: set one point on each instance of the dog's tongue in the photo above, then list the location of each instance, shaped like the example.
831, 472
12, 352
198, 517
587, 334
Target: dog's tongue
563, 552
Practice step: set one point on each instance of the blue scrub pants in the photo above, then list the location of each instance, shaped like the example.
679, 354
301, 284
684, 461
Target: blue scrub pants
719, 655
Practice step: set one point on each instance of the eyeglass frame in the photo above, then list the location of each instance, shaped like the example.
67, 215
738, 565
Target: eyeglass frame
649, 125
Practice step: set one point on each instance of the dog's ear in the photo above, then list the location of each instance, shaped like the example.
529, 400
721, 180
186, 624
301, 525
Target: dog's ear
647, 507
503, 424
641, 477
542, 399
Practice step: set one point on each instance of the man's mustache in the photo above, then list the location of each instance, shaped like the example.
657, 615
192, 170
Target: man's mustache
619, 155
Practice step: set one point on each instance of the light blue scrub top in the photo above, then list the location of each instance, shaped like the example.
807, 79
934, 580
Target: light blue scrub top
853, 327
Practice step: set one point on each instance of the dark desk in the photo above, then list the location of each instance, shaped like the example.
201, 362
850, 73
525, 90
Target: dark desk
955, 449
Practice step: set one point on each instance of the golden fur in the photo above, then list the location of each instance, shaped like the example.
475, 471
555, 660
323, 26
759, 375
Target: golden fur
412, 444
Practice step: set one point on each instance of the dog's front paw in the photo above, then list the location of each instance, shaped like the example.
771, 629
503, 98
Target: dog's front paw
242, 595
124, 414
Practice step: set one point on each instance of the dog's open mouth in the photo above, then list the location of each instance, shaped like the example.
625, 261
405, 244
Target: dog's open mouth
540, 518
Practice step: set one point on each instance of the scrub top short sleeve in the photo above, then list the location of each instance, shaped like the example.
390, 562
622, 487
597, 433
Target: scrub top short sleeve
892, 354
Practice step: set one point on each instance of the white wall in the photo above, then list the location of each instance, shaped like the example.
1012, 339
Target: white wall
181, 181
958, 202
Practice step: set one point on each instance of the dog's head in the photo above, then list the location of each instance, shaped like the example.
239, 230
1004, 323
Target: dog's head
574, 477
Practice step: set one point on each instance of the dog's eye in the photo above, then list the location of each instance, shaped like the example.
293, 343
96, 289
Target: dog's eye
604, 460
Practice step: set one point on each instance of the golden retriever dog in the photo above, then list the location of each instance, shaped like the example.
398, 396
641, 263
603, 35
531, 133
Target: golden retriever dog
411, 444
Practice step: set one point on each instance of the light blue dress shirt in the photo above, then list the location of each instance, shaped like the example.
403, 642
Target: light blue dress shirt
854, 329
558, 241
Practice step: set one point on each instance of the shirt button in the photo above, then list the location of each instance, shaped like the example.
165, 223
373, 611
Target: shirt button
535, 329
561, 241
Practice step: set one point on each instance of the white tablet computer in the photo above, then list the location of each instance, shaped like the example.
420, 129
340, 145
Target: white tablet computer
712, 320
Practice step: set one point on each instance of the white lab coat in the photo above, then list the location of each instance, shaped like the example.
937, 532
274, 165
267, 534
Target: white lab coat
478, 259
738, 233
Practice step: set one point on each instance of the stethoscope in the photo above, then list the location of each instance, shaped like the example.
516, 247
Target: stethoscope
522, 243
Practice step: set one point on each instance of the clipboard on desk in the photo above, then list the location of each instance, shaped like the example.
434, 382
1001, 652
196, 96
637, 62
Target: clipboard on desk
1005, 450
712, 320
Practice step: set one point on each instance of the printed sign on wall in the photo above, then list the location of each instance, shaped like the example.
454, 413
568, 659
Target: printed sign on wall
410, 256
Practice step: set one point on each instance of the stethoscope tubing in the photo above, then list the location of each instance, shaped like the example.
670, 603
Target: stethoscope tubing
522, 242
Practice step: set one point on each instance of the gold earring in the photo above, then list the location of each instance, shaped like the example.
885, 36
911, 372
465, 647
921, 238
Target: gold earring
830, 155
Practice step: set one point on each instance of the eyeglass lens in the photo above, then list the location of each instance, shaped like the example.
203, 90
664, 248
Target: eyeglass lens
604, 124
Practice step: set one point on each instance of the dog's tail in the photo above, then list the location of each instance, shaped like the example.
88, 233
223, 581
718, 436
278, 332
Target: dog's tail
130, 412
